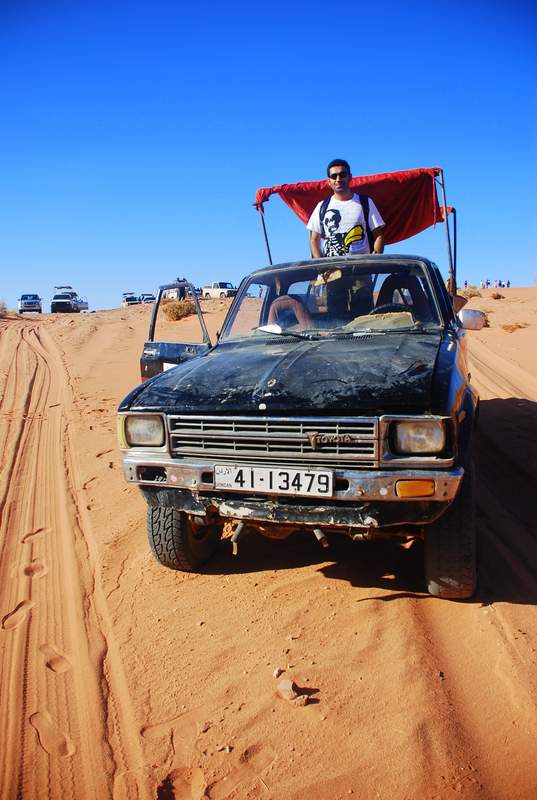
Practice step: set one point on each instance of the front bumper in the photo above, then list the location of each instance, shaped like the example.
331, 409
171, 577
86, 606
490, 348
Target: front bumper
359, 494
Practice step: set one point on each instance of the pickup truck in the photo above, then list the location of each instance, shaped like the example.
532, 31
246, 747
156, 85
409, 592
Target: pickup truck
336, 400
219, 289
130, 299
66, 300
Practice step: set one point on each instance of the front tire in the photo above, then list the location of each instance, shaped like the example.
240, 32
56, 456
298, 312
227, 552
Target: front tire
450, 547
177, 541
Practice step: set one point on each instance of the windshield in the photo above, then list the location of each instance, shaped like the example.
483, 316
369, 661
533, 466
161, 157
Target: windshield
62, 297
223, 285
29, 297
326, 300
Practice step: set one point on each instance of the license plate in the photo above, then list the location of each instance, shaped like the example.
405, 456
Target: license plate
274, 480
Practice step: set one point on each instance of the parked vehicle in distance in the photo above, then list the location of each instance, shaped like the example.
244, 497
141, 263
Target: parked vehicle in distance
29, 302
336, 400
130, 299
147, 298
67, 301
219, 289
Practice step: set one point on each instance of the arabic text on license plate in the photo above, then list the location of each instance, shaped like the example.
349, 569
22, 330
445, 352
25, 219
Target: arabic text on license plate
273, 480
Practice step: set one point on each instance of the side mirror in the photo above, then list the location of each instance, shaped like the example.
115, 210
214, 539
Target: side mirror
471, 319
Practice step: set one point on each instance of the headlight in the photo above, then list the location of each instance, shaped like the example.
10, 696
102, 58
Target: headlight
419, 436
144, 430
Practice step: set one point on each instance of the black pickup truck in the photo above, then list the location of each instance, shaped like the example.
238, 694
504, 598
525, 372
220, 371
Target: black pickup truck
337, 399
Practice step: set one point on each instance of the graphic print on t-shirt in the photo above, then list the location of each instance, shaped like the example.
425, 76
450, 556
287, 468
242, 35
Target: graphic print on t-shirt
333, 244
337, 243
355, 234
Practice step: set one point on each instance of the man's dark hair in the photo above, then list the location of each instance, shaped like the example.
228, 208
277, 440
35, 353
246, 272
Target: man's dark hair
338, 162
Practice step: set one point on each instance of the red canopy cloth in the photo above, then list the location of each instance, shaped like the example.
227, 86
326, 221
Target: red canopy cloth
407, 200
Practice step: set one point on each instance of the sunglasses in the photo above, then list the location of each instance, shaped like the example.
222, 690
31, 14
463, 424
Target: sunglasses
334, 175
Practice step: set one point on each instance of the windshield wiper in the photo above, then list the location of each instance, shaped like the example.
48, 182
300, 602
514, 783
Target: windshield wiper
311, 337
419, 327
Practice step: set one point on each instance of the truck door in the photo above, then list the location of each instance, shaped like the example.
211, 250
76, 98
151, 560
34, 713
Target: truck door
173, 341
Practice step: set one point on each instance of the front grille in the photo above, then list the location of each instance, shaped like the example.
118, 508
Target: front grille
284, 440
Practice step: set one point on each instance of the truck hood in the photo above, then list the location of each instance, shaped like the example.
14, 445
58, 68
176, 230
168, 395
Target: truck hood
374, 373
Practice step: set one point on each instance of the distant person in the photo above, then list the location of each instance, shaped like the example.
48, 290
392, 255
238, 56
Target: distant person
481, 284
181, 292
348, 222
508, 284
465, 284
488, 283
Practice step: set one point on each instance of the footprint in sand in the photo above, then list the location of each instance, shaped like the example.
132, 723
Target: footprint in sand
18, 615
52, 740
182, 732
37, 532
183, 784
55, 660
251, 764
35, 569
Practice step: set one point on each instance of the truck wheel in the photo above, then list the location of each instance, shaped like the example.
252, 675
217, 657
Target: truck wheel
207, 295
222, 294
450, 546
177, 542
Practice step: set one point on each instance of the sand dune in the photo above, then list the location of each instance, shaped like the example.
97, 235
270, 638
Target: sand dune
121, 679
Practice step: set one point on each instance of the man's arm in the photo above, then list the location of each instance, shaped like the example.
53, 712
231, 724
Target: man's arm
378, 240
315, 245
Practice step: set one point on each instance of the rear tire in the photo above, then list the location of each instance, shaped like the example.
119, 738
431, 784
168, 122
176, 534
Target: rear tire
450, 547
177, 542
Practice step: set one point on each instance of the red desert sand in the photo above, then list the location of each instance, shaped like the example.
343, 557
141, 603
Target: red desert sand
290, 672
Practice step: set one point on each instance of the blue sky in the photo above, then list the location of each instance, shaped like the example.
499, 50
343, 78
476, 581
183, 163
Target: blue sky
134, 135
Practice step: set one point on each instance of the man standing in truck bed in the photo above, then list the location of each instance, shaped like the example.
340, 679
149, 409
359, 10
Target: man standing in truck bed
348, 222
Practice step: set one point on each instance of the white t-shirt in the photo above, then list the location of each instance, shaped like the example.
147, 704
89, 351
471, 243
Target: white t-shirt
343, 226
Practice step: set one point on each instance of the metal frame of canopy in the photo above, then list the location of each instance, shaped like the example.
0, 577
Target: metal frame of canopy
446, 211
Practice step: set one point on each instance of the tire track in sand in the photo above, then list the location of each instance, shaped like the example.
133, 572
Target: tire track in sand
67, 732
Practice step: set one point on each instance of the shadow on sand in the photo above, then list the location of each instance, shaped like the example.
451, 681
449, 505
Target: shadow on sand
506, 459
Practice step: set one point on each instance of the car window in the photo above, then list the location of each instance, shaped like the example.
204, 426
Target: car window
251, 310
329, 300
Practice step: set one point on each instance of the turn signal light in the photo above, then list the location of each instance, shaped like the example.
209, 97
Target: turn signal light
414, 488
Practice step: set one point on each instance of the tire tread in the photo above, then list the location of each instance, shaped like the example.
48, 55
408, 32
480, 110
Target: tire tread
450, 547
